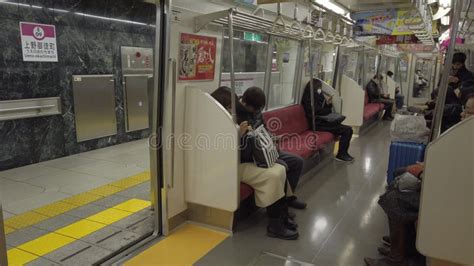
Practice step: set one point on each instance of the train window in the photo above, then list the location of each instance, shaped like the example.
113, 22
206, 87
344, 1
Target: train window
328, 59
350, 61
250, 58
370, 64
315, 60
284, 64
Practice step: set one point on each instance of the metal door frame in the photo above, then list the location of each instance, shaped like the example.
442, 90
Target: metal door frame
3, 244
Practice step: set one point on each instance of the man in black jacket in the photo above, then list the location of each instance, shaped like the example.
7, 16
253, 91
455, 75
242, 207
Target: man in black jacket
322, 107
250, 109
376, 96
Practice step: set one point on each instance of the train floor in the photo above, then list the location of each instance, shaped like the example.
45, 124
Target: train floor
342, 224
78, 209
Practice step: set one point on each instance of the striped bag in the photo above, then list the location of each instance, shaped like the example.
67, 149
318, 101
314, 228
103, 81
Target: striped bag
264, 151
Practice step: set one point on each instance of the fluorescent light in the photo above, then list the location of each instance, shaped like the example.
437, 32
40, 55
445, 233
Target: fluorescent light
332, 6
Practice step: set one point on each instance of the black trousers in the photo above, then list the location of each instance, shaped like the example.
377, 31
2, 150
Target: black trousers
294, 166
342, 131
388, 106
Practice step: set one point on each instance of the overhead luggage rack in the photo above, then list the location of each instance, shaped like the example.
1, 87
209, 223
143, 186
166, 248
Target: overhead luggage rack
245, 21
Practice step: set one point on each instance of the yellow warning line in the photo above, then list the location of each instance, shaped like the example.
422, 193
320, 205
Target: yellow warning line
51, 210
50, 242
183, 247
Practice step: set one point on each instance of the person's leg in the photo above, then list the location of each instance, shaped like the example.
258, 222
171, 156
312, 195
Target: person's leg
399, 99
294, 167
388, 108
276, 225
345, 134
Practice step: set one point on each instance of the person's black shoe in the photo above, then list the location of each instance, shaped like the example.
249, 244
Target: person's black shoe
386, 240
388, 118
297, 204
292, 215
291, 224
384, 251
344, 158
277, 229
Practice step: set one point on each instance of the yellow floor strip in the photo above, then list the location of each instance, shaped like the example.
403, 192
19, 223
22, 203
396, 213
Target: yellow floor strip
18, 257
46, 244
82, 199
54, 209
133, 205
24, 220
106, 190
80, 229
50, 242
183, 247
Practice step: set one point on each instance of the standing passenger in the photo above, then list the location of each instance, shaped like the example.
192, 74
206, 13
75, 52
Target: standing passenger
376, 96
323, 106
250, 109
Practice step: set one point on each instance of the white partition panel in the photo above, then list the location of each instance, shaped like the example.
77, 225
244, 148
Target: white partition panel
446, 221
352, 102
391, 87
211, 154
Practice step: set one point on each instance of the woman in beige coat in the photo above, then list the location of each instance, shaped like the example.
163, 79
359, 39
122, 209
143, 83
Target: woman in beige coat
269, 184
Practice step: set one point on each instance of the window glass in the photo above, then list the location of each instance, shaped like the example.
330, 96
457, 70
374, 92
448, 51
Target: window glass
370, 65
315, 60
250, 58
328, 59
284, 64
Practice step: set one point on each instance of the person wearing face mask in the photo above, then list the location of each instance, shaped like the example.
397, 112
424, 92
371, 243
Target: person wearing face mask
322, 107
376, 96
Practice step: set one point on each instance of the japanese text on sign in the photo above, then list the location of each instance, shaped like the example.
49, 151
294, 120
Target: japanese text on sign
38, 42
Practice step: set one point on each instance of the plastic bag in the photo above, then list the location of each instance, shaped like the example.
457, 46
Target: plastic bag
409, 128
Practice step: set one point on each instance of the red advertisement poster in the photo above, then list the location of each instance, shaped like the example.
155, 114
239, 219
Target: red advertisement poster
197, 57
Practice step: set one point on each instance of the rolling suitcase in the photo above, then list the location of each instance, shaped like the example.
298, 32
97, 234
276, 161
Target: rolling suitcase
403, 154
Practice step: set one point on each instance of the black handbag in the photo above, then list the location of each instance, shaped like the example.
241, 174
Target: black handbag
332, 118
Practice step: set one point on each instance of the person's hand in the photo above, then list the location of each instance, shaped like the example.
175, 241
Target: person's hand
244, 128
453, 79
329, 99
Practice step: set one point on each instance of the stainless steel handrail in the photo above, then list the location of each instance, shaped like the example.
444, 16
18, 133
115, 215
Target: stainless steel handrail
173, 122
28, 108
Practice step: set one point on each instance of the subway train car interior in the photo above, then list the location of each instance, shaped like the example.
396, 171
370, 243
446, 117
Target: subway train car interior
237, 132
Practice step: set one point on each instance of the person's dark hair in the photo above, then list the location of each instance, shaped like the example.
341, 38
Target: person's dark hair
378, 76
223, 96
459, 58
389, 73
254, 97
316, 85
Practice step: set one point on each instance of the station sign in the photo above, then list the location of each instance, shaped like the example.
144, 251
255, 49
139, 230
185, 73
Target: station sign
251, 36
38, 42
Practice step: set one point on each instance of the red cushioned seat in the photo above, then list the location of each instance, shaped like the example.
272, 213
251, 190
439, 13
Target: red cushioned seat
245, 191
286, 120
370, 110
306, 143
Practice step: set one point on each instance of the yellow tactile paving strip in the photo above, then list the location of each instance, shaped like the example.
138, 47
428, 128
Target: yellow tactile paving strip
183, 247
51, 210
50, 242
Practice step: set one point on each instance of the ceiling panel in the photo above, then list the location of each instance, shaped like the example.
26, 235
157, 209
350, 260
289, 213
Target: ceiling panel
365, 5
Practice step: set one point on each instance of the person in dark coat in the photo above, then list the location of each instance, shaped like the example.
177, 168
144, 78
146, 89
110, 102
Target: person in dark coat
249, 109
376, 96
322, 107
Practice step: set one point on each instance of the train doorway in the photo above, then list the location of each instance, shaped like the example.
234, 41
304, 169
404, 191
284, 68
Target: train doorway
80, 121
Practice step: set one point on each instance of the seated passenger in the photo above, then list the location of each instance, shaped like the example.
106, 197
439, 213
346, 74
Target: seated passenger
322, 107
269, 184
250, 109
399, 98
468, 107
402, 211
376, 96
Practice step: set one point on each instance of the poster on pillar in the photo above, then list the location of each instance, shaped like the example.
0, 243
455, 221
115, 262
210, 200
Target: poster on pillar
38, 42
197, 57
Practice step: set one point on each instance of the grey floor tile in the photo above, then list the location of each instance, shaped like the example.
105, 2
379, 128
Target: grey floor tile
57, 222
32, 199
42, 262
111, 238
110, 201
24, 235
135, 191
86, 210
133, 219
87, 256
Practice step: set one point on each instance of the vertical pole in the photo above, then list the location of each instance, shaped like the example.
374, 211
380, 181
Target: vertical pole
311, 86
268, 70
3, 244
364, 78
232, 73
336, 71
439, 109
